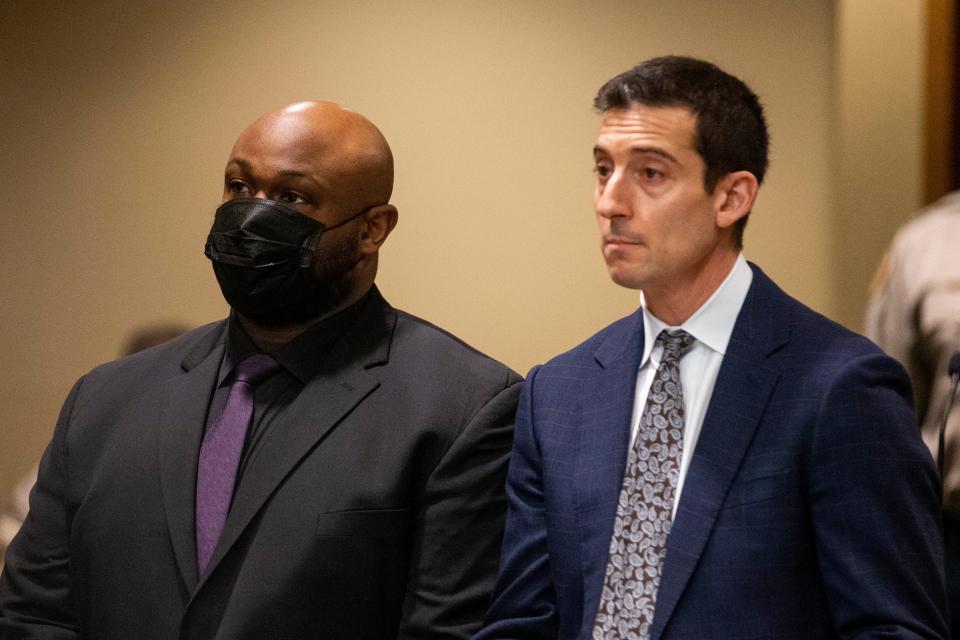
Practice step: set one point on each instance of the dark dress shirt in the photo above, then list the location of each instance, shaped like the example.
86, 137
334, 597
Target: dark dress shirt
299, 361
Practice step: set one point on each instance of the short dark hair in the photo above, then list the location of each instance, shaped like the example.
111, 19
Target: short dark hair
731, 130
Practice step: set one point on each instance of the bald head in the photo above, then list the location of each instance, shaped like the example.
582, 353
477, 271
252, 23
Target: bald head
340, 154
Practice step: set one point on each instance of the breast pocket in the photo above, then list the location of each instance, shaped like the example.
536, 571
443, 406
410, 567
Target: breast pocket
762, 488
366, 553
360, 523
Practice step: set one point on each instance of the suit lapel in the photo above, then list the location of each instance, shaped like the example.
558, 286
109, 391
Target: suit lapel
182, 412
606, 411
743, 388
320, 406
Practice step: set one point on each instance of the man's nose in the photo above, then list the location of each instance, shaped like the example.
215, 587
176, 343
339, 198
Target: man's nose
612, 199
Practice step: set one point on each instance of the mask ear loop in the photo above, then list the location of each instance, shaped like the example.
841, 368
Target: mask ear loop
351, 218
310, 244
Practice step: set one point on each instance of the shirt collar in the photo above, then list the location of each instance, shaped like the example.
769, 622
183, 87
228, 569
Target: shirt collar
302, 356
711, 324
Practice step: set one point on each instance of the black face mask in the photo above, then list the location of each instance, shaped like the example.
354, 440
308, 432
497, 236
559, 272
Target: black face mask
263, 254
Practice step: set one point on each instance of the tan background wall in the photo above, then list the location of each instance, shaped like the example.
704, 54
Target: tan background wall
878, 147
115, 122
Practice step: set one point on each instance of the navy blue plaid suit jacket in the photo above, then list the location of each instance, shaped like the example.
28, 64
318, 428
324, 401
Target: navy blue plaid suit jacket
810, 508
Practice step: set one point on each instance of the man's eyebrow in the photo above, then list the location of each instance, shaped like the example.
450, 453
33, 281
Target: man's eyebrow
290, 173
657, 151
306, 175
294, 173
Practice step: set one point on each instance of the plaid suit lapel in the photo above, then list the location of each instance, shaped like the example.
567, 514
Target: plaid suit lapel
740, 396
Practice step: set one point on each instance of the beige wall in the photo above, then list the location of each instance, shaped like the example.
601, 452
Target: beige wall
115, 123
878, 152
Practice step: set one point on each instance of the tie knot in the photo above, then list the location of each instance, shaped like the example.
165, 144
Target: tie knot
675, 343
255, 368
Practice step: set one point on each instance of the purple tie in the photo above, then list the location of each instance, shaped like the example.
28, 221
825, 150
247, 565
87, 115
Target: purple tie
220, 454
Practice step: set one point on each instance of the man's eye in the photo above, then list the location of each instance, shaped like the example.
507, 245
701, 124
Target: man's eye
602, 170
291, 197
237, 187
652, 174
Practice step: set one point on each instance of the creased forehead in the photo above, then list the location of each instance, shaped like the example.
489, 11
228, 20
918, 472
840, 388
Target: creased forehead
676, 125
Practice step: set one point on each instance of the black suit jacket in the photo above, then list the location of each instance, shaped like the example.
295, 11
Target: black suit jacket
373, 510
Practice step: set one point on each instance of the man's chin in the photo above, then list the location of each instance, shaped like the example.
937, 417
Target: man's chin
623, 277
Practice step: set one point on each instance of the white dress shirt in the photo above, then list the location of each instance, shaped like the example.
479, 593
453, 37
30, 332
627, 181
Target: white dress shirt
711, 326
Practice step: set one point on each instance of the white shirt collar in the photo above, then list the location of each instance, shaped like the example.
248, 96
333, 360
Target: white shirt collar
711, 324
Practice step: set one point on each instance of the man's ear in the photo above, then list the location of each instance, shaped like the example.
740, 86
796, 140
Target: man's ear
379, 222
734, 197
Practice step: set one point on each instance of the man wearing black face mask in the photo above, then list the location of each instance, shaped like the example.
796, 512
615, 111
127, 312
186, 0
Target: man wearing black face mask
318, 465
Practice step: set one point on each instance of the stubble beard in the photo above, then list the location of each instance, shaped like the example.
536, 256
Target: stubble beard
333, 282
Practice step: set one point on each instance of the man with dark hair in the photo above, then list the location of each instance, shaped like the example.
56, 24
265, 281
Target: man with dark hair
724, 463
730, 132
318, 465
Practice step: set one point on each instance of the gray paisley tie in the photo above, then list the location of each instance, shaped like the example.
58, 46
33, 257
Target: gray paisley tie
644, 513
